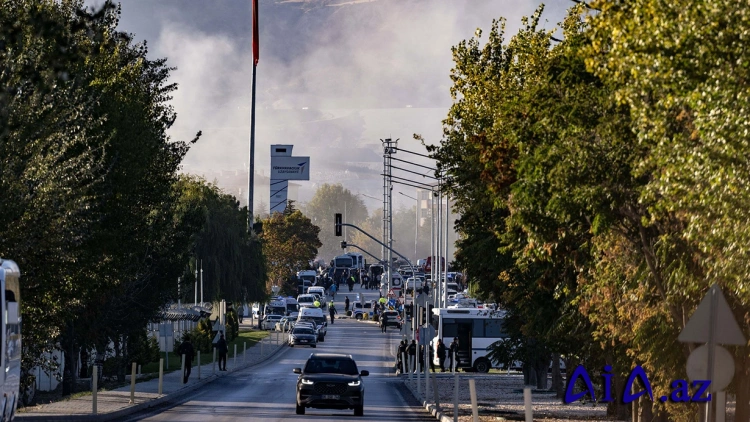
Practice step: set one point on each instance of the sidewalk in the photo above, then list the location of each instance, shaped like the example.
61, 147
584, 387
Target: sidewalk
116, 403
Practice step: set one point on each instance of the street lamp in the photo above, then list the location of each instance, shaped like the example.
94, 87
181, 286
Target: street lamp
416, 225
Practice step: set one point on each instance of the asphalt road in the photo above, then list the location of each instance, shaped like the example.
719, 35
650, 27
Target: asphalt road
268, 392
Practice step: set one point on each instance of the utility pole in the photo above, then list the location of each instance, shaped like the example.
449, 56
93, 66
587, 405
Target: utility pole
389, 148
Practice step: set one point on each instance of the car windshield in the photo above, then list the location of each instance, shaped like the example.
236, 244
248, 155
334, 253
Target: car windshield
303, 331
331, 366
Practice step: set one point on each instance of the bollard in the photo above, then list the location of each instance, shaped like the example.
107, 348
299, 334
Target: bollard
234, 362
435, 393
419, 380
214, 364
161, 374
132, 383
455, 391
527, 404
244, 353
183, 369
199, 364
473, 394
94, 381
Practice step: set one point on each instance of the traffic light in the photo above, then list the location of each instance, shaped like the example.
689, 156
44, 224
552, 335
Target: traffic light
337, 224
343, 244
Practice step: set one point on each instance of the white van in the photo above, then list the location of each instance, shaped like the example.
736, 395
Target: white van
318, 316
306, 301
320, 291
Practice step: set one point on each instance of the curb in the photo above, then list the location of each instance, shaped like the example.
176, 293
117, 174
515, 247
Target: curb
166, 398
434, 410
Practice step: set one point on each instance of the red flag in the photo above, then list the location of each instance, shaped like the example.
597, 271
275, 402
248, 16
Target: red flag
256, 44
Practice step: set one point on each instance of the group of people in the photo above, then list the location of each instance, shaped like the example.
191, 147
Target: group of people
415, 353
187, 350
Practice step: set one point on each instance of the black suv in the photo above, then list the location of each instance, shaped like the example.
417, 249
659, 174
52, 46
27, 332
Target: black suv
330, 381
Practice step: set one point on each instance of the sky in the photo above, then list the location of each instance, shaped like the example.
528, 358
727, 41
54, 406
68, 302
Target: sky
334, 78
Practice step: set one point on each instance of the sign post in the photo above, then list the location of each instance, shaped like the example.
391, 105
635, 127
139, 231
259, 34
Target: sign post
712, 323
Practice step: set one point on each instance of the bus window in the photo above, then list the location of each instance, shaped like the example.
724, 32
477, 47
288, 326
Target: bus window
478, 329
494, 328
450, 328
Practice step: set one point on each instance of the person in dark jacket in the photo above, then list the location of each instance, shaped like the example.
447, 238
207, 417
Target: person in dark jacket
222, 348
346, 304
421, 358
413, 354
186, 350
454, 354
401, 351
332, 310
441, 354
384, 322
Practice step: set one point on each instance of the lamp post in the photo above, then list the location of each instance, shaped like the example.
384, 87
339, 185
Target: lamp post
416, 225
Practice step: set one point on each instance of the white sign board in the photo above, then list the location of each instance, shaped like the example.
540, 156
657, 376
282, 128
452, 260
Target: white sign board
697, 367
290, 168
697, 329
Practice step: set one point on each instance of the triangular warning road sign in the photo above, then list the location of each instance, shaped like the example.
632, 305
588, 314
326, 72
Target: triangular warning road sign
698, 327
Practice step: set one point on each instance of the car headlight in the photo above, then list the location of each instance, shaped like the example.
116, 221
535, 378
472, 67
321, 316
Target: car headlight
306, 382
355, 383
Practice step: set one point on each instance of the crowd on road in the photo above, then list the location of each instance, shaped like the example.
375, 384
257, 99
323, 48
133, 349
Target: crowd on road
416, 353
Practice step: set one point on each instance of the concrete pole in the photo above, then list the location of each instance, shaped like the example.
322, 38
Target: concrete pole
195, 303
527, 404
455, 391
132, 383
199, 364
473, 395
447, 231
201, 282
161, 375
94, 388
234, 362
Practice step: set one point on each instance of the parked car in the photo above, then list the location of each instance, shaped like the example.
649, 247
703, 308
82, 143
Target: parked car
269, 321
303, 336
285, 324
330, 381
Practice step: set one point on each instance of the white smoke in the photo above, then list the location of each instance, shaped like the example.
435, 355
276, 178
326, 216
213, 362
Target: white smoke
334, 77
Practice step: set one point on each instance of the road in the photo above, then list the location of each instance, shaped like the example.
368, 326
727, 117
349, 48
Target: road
268, 392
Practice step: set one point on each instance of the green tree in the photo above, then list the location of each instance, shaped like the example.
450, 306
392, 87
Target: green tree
290, 243
328, 200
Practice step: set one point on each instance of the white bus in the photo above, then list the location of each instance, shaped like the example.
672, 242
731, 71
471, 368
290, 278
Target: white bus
358, 261
10, 379
476, 330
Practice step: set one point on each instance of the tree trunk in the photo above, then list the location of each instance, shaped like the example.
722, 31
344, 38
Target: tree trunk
742, 380
70, 357
118, 360
646, 408
542, 369
557, 380
527, 374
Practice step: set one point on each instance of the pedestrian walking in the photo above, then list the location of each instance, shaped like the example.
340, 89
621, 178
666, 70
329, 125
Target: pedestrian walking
346, 304
441, 354
454, 354
186, 349
384, 322
332, 310
421, 358
222, 348
333, 291
432, 358
240, 313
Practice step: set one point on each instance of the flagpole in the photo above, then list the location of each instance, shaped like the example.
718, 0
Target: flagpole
251, 167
